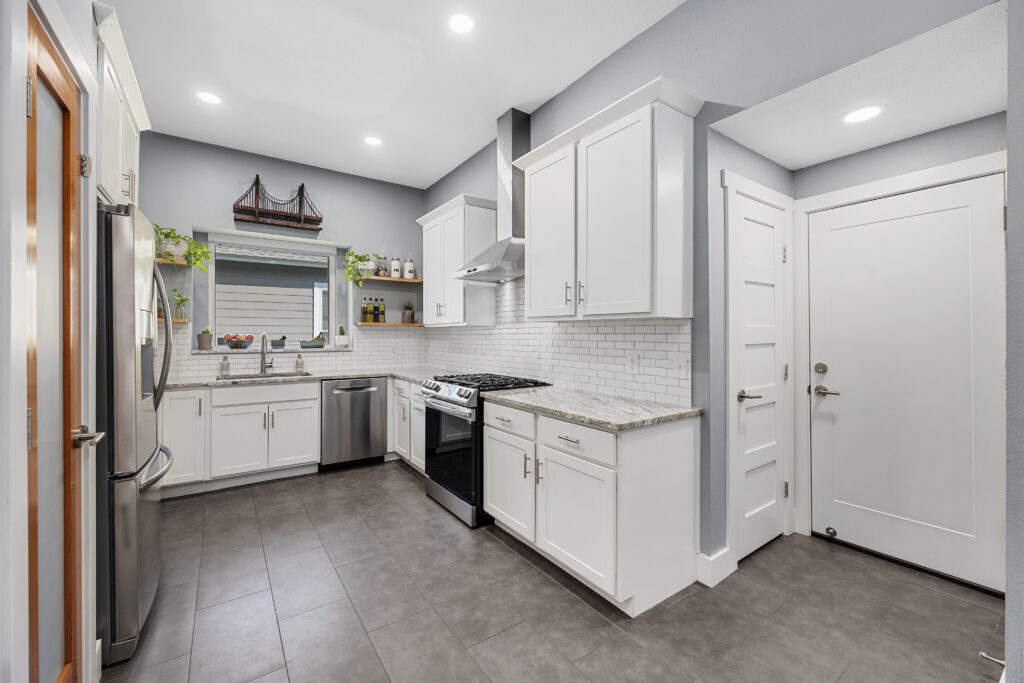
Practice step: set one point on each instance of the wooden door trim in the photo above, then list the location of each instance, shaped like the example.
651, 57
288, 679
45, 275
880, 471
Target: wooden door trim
46, 66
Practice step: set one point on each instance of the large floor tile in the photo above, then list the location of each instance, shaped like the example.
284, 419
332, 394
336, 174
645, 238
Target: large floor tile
744, 589
522, 655
421, 648
304, 581
287, 533
735, 667
796, 657
624, 659
172, 671
350, 541
381, 592
329, 644
236, 641
674, 636
939, 639
167, 633
229, 573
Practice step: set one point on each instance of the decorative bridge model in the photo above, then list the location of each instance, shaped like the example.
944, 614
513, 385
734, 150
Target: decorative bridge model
259, 206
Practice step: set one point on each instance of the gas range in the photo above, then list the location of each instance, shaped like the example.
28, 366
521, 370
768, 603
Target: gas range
465, 390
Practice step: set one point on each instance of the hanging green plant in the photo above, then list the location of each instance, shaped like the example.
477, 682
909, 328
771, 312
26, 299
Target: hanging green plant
358, 266
170, 245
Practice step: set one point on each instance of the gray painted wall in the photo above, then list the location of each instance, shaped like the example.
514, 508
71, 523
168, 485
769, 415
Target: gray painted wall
477, 176
1015, 356
944, 146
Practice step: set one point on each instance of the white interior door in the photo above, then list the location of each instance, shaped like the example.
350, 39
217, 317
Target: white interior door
907, 311
759, 225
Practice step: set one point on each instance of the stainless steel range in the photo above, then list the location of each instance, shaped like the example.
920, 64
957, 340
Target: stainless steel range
454, 440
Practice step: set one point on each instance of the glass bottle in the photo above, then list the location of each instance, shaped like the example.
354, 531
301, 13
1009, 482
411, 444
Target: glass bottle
382, 318
376, 310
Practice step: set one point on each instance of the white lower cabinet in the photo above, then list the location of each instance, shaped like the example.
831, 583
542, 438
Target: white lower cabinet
509, 485
294, 433
239, 441
184, 429
618, 510
576, 515
402, 420
418, 436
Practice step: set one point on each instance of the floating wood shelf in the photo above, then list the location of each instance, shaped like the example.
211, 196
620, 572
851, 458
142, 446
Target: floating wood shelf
160, 318
172, 261
390, 324
374, 278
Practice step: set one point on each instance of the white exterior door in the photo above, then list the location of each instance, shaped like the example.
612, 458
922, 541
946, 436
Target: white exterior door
432, 268
576, 515
453, 244
418, 437
551, 249
239, 442
294, 433
402, 420
183, 419
615, 224
509, 489
759, 225
907, 310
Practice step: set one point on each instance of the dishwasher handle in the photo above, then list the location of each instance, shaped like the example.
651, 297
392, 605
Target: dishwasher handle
351, 390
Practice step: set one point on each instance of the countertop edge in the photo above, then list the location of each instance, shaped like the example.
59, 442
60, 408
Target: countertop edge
512, 402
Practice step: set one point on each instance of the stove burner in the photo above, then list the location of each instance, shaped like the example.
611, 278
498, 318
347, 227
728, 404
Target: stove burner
490, 382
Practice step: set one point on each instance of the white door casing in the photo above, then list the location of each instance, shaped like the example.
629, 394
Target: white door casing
907, 310
760, 433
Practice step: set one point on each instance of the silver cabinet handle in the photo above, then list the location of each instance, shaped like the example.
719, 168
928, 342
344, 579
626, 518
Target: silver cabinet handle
568, 293
81, 436
272, 415
822, 390
503, 419
536, 473
525, 459
351, 390
200, 406
574, 442
742, 395
579, 288
264, 420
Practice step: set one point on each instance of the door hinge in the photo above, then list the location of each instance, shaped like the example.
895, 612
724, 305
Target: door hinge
785, 253
785, 489
84, 165
28, 96
785, 372
29, 430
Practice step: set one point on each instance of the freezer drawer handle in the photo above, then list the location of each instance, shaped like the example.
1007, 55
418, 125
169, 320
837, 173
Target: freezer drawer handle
159, 474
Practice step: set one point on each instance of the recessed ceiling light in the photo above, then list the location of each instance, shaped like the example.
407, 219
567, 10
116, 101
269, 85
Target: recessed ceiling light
372, 141
208, 97
461, 23
863, 114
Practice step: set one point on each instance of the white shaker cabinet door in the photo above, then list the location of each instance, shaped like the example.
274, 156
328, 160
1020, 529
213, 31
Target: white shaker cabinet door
576, 515
112, 130
402, 420
431, 271
453, 228
418, 436
551, 225
184, 416
294, 433
509, 484
239, 441
615, 243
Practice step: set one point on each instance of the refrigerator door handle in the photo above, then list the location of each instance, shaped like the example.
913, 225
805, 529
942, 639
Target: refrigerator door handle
159, 474
158, 393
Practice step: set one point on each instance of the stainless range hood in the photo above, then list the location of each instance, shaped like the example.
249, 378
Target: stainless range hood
506, 258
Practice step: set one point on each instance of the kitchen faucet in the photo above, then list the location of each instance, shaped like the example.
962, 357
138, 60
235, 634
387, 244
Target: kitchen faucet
264, 363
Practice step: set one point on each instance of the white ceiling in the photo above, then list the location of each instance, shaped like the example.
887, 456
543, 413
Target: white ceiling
307, 80
954, 73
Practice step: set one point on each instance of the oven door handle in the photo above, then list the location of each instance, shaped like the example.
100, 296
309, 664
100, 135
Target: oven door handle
457, 411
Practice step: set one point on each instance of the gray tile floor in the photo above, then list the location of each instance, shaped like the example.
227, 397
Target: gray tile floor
357, 576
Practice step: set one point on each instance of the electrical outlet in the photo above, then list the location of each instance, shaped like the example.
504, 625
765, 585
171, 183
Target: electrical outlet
633, 361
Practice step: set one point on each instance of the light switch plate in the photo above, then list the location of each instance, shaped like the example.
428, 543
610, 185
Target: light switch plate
633, 361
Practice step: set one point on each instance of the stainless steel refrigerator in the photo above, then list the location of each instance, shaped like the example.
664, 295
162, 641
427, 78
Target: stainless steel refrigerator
131, 461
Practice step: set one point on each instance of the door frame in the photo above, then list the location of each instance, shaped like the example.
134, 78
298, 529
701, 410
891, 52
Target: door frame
734, 184
967, 169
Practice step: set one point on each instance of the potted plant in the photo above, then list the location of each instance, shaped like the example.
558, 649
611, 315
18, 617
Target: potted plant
408, 314
205, 339
358, 266
172, 246
341, 339
179, 304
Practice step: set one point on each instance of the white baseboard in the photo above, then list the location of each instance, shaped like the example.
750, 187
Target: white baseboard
178, 490
713, 569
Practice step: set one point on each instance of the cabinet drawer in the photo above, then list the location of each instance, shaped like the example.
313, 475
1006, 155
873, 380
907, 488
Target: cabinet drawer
265, 393
402, 388
576, 439
510, 419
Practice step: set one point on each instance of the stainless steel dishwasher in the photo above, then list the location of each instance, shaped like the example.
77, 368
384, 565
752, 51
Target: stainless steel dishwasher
353, 419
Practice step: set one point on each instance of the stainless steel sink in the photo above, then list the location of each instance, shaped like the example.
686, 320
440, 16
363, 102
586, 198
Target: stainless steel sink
265, 375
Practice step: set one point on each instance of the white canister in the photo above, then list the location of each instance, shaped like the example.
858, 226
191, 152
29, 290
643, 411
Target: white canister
409, 270
396, 267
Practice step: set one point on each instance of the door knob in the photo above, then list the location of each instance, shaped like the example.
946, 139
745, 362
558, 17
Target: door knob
822, 390
742, 395
81, 436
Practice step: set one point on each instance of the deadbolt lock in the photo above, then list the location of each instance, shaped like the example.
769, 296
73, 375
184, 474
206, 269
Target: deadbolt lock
820, 368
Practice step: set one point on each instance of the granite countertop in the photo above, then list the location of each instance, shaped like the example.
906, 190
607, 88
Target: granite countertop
614, 413
411, 374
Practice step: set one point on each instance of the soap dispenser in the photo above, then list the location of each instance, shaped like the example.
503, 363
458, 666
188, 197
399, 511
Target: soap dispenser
300, 365
225, 367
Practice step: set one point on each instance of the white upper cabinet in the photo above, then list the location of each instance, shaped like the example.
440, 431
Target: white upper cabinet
123, 114
551, 217
453, 233
610, 202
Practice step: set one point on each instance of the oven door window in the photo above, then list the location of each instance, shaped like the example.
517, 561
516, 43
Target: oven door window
450, 456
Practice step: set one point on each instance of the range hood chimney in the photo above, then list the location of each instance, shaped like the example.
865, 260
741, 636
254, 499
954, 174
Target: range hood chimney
506, 259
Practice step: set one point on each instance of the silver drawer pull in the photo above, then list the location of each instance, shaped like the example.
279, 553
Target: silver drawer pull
574, 442
525, 460
502, 419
